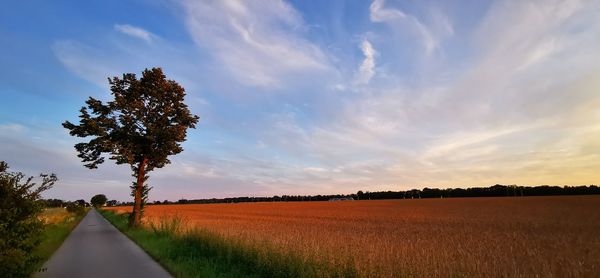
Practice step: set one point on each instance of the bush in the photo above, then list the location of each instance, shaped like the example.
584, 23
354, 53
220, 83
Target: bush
20, 228
75, 208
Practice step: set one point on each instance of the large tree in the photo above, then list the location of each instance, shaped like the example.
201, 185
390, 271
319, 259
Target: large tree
142, 126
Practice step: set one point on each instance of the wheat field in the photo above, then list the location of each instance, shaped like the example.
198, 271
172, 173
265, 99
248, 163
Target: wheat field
510, 237
55, 215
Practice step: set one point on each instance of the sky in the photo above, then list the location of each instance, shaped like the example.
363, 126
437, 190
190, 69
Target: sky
314, 97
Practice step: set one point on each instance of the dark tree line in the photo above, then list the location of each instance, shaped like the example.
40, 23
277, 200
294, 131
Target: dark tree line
58, 203
497, 190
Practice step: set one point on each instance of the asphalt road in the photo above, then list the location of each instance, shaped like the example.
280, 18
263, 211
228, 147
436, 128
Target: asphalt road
95, 248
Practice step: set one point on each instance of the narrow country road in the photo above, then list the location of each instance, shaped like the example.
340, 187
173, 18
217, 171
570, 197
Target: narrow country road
95, 248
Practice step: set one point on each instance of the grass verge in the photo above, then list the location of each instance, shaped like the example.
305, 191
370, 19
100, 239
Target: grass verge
54, 234
200, 253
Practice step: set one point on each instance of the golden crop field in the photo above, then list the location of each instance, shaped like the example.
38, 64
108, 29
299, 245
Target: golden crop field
528, 236
54, 215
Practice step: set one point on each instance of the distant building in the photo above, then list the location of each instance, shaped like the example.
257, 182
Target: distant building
341, 199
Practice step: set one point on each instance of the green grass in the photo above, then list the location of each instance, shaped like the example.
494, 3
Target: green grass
200, 253
53, 236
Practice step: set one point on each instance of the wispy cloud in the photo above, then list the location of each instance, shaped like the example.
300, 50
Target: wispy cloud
507, 111
259, 42
367, 67
135, 32
378, 13
87, 62
12, 128
430, 35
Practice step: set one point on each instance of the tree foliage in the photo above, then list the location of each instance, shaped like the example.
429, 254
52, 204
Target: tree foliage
98, 200
20, 228
75, 207
142, 126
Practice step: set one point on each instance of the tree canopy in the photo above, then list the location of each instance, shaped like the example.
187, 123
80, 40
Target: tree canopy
98, 200
142, 126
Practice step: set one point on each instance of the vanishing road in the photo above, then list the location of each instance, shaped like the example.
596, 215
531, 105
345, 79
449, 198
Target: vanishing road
95, 248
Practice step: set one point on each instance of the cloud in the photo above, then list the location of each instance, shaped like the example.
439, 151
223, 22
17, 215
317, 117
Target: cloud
89, 63
459, 142
260, 43
27, 151
431, 33
95, 62
367, 68
381, 14
135, 32
512, 67
13, 128
502, 118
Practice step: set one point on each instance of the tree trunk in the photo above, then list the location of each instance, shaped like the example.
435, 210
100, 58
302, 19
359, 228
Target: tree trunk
139, 187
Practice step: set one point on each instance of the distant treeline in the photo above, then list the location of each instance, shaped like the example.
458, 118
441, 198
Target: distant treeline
492, 191
497, 190
58, 203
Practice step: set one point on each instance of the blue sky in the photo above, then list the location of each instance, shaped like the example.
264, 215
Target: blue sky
315, 97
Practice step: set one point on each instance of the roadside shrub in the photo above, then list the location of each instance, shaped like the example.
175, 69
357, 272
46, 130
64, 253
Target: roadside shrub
20, 228
75, 208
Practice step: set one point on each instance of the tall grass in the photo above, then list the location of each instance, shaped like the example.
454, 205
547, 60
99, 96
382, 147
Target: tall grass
198, 252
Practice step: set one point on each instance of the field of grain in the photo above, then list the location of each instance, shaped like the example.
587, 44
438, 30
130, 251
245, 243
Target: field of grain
527, 236
55, 215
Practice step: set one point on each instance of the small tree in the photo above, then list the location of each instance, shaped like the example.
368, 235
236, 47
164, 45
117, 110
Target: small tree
98, 200
142, 126
20, 228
